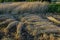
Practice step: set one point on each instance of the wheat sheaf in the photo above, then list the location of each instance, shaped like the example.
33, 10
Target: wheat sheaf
27, 21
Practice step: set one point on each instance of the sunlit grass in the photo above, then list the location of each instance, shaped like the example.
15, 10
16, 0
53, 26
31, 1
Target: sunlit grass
28, 14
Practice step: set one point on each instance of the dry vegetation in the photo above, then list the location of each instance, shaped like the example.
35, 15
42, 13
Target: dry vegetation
28, 21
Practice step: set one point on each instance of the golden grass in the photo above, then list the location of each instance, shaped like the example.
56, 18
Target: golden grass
27, 23
53, 20
21, 7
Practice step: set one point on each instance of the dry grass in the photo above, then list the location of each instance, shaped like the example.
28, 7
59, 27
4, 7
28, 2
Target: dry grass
21, 7
27, 21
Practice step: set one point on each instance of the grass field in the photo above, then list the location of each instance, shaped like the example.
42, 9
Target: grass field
29, 21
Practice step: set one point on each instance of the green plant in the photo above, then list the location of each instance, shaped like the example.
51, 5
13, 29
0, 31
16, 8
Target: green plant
54, 8
1, 1
31, 0
7, 1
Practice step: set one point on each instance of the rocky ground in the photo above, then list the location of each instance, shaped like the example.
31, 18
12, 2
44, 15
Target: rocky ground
28, 21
